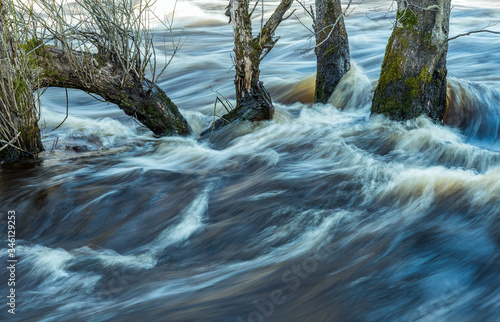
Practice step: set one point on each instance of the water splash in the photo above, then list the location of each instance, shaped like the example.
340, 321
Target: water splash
475, 108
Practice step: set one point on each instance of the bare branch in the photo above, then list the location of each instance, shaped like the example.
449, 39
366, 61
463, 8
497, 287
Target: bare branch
303, 25
67, 111
333, 25
309, 13
255, 6
478, 31
267, 32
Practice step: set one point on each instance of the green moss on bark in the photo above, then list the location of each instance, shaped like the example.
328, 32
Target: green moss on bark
32, 46
407, 18
413, 72
392, 71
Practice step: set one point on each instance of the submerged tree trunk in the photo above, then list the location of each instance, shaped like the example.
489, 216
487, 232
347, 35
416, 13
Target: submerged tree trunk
413, 76
19, 132
152, 107
253, 102
332, 48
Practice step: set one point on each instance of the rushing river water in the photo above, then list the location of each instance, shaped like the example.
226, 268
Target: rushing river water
318, 215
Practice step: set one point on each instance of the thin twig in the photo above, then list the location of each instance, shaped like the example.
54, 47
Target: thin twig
67, 111
333, 25
474, 32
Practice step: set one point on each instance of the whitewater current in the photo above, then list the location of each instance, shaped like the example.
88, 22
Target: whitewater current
326, 213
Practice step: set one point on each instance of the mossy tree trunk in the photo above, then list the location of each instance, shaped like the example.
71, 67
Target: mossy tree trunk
116, 73
150, 106
19, 133
413, 76
253, 102
332, 48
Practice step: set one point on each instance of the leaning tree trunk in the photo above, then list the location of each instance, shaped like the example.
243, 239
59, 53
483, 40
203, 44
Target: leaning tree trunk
249, 51
153, 108
332, 48
413, 77
19, 132
253, 102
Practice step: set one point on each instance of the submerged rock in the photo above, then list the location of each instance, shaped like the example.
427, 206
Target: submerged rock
78, 148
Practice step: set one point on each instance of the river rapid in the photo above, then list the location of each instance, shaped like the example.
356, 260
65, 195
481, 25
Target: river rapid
323, 214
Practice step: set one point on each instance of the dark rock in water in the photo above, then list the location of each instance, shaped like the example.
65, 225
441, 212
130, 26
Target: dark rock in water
94, 139
77, 148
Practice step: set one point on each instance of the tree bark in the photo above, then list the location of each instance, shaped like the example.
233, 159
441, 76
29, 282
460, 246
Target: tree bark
413, 76
332, 48
247, 58
153, 108
253, 102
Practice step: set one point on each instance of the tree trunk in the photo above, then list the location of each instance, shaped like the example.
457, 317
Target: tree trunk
413, 76
152, 108
332, 48
253, 102
247, 58
19, 133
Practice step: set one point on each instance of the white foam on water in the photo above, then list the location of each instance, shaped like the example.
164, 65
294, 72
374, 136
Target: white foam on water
413, 190
180, 155
45, 262
353, 90
476, 4
110, 258
310, 241
58, 284
106, 129
182, 13
307, 243
486, 188
193, 219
